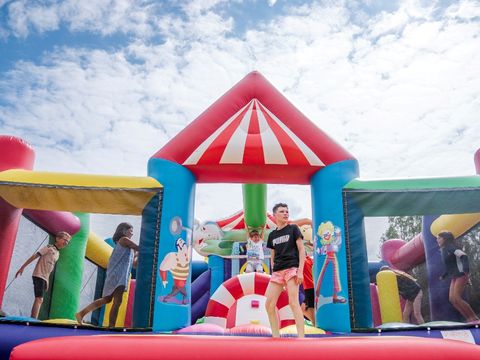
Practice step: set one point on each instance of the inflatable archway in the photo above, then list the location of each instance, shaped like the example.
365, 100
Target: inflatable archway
251, 135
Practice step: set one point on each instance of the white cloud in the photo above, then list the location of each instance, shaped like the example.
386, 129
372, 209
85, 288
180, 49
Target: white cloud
17, 19
197, 7
104, 17
468, 10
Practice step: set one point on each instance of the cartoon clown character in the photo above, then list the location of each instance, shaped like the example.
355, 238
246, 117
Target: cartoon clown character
178, 264
330, 239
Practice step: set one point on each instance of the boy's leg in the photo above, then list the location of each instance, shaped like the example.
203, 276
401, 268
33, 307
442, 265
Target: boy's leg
39, 288
310, 315
117, 301
308, 305
272, 293
292, 289
37, 303
249, 267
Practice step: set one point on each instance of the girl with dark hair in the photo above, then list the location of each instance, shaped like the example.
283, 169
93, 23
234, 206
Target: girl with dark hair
124, 255
456, 268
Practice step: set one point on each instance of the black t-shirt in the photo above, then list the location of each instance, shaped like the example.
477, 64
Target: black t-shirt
284, 243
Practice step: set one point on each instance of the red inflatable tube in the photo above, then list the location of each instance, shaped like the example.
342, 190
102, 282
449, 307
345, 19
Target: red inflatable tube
404, 255
14, 154
409, 255
119, 347
54, 221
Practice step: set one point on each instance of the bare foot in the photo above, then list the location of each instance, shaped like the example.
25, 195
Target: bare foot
79, 318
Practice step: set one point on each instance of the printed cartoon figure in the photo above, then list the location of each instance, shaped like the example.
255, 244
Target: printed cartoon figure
178, 264
330, 239
306, 230
207, 237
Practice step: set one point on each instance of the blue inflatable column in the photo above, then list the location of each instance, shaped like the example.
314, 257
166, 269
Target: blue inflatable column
172, 299
147, 263
440, 308
330, 270
217, 265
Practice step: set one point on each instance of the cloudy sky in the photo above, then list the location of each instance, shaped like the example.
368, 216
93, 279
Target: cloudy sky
100, 86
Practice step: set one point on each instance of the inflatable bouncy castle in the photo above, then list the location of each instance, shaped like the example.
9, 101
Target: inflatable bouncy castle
253, 136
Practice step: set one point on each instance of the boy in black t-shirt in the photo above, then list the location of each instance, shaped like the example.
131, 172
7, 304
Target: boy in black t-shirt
288, 254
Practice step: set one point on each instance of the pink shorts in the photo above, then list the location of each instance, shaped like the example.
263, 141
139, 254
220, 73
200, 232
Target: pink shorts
281, 277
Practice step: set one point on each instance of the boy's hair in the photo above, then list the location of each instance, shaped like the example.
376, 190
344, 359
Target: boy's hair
279, 205
447, 235
63, 234
120, 231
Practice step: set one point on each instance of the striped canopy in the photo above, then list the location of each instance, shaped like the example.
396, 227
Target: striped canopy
237, 222
253, 134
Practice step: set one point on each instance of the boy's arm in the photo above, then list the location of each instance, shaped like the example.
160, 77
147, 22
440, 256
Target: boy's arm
27, 262
301, 260
126, 242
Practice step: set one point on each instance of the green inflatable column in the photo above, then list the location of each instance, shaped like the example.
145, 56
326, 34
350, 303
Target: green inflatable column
255, 205
67, 281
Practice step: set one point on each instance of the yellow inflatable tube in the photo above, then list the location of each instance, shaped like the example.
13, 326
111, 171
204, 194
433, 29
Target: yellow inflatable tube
98, 251
292, 329
388, 297
457, 224
122, 311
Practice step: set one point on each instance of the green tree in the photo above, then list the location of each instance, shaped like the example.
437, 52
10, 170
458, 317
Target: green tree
402, 227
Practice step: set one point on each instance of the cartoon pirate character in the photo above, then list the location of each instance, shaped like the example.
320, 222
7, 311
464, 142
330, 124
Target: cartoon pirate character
330, 239
178, 264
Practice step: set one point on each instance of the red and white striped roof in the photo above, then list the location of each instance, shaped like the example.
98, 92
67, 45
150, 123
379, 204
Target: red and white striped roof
237, 222
254, 136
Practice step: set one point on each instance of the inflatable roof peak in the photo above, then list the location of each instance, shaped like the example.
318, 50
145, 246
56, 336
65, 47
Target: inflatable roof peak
253, 134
